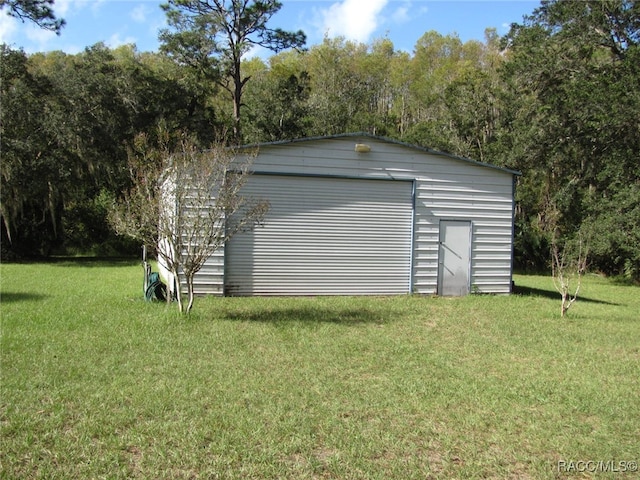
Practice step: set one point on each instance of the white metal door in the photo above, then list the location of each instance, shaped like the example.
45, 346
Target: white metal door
454, 258
324, 236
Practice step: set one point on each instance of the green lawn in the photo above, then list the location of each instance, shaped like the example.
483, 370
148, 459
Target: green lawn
97, 383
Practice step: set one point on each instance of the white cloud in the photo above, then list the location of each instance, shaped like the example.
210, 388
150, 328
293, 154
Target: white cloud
70, 8
64, 8
401, 15
353, 19
257, 51
115, 41
407, 12
8, 27
61, 7
139, 14
96, 6
506, 27
39, 35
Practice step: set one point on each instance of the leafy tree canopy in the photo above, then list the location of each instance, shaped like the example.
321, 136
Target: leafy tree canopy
574, 73
38, 11
212, 36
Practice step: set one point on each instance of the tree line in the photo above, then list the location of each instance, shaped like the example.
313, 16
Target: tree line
557, 98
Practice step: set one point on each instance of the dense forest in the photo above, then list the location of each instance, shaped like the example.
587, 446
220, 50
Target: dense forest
557, 98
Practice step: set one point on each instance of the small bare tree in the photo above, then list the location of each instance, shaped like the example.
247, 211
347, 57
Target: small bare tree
186, 203
568, 265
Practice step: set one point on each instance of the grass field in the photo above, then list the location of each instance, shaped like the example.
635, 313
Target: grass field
97, 383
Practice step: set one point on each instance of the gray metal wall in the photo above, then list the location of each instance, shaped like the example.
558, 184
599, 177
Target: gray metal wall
446, 188
324, 236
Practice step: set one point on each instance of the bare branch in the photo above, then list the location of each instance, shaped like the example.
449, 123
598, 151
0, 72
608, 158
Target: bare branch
187, 204
566, 267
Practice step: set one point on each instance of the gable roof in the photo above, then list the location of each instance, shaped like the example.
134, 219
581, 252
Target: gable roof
382, 139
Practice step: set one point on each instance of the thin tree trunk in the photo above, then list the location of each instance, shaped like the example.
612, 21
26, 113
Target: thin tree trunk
236, 117
190, 292
178, 289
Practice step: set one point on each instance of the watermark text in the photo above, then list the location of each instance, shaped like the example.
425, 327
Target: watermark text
597, 466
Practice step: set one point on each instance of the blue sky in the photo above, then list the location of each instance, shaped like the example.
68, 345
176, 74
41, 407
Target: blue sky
118, 22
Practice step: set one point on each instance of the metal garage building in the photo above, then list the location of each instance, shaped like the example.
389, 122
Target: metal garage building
356, 214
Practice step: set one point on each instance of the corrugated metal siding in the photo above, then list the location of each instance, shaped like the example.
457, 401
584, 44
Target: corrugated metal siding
445, 188
210, 279
466, 192
324, 236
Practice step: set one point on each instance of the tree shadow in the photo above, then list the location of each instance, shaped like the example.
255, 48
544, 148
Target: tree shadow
14, 297
309, 315
554, 295
90, 262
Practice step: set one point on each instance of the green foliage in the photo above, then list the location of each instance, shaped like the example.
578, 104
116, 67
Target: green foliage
39, 12
66, 121
87, 230
557, 99
337, 85
30, 178
213, 37
352, 87
574, 68
613, 228
277, 100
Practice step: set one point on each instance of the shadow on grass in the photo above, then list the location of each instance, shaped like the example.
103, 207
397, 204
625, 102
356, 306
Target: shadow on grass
310, 316
94, 261
554, 295
13, 297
